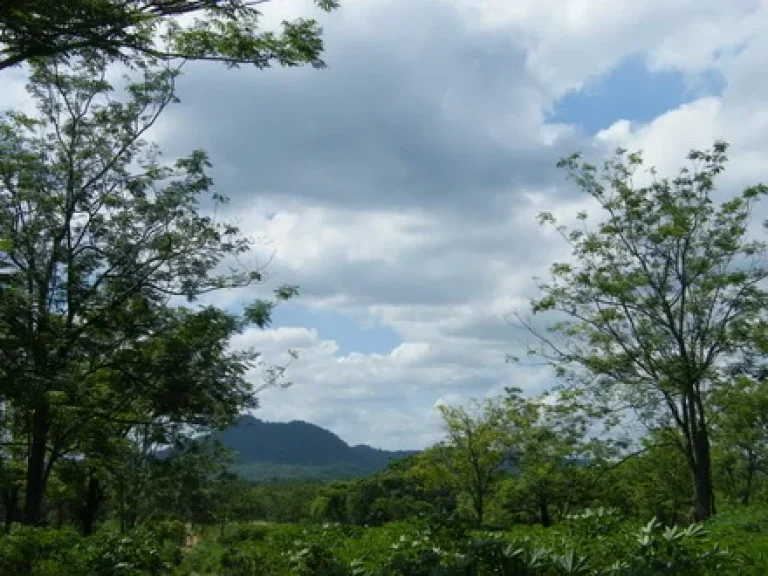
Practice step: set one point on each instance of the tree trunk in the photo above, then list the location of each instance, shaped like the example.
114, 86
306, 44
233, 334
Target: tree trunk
11, 503
121, 508
544, 512
702, 473
751, 468
36, 469
479, 510
92, 502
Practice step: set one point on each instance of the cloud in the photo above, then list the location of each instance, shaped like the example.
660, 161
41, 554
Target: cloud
571, 42
438, 115
737, 116
400, 186
466, 256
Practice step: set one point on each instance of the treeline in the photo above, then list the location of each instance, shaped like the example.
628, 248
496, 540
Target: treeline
514, 460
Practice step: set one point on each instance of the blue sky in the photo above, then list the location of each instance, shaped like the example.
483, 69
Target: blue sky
349, 333
399, 187
632, 91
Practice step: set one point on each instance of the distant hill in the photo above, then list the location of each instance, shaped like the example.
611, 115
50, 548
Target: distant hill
293, 450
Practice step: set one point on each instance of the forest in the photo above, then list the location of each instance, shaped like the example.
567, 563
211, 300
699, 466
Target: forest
649, 456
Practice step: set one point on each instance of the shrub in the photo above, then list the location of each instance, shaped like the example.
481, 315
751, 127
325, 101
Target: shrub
44, 552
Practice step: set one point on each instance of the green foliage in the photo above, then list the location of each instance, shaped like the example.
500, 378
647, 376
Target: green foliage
663, 295
44, 552
278, 472
222, 30
470, 461
745, 532
39, 552
654, 482
95, 361
740, 432
406, 489
598, 542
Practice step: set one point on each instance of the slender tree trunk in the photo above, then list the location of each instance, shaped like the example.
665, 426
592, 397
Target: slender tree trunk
11, 503
121, 507
479, 509
61, 512
566, 508
36, 469
546, 522
750, 481
92, 502
698, 453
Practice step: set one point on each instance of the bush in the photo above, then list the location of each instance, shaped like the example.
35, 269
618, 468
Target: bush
44, 552
243, 533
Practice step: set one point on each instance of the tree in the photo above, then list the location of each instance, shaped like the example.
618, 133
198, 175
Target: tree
551, 453
651, 482
658, 298
740, 433
222, 30
182, 483
101, 235
471, 458
405, 489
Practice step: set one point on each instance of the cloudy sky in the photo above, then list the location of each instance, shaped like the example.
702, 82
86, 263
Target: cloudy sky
399, 187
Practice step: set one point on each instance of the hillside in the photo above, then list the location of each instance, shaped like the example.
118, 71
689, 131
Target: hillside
299, 450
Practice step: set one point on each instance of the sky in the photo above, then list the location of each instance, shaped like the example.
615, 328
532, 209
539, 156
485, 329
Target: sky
399, 187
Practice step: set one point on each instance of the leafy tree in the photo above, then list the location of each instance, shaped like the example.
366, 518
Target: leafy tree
331, 505
658, 298
281, 501
552, 455
183, 484
652, 482
741, 437
221, 30
101, 235
229, 499
405, 489
471, 458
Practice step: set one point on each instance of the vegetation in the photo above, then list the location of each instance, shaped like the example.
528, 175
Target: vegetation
664, 295
119, 391
222, 30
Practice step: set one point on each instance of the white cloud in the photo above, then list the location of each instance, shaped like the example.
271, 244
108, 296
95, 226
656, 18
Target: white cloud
402, 183
574, 40
738, 116
566, 47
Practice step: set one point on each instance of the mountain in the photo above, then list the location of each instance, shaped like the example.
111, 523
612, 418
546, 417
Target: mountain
292, 450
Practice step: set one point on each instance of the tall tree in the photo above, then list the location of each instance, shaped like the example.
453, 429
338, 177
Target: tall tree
101, 235
221, 30
658, 297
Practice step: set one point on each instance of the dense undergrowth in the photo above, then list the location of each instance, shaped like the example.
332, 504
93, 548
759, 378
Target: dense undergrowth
597, 542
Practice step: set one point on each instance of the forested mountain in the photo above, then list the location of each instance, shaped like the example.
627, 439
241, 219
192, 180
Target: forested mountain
299, 450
